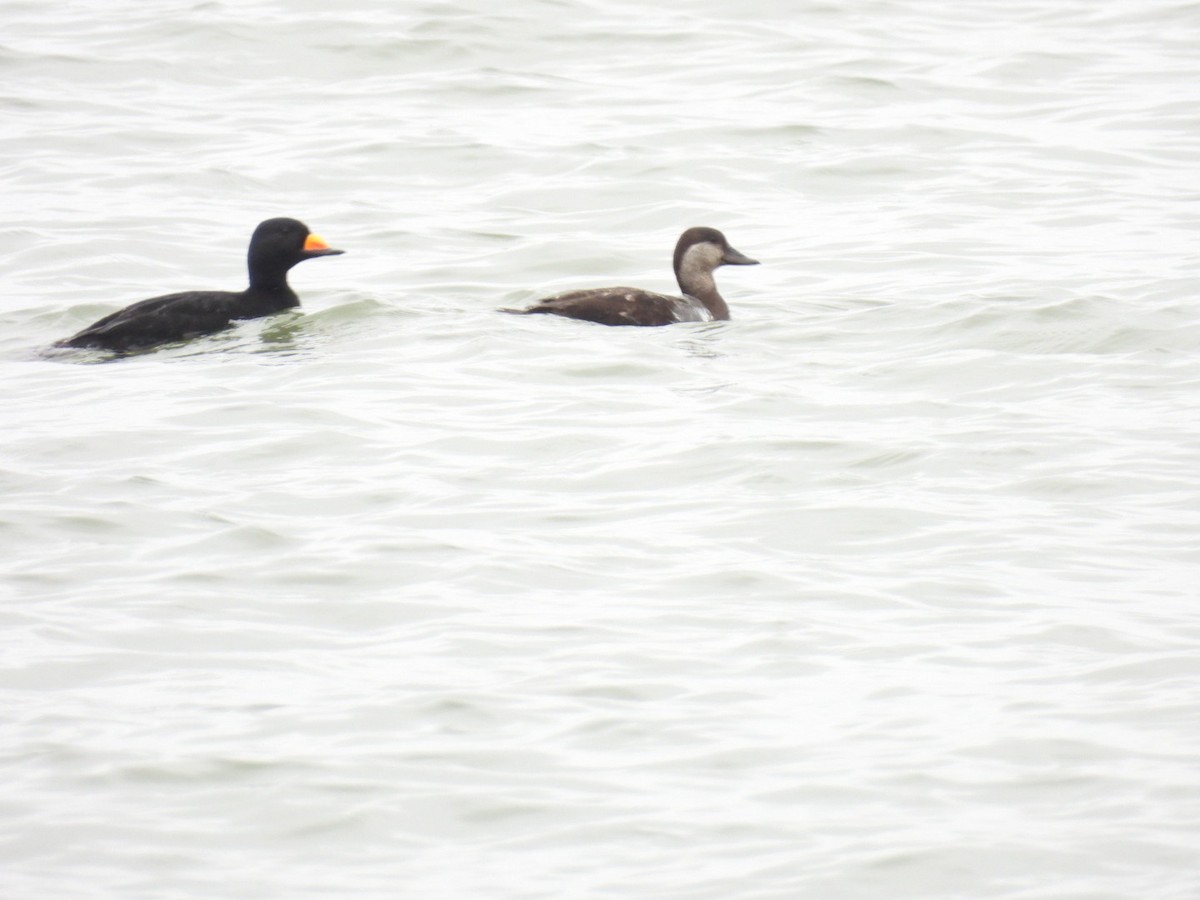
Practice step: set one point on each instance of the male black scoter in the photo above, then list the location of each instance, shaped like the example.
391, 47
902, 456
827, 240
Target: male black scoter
275, 246
697, 254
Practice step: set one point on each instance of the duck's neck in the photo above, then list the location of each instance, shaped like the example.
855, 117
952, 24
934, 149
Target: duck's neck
697, 281
269, 288
263, 298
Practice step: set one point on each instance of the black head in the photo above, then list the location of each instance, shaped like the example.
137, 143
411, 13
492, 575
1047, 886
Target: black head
719, 251
278, 244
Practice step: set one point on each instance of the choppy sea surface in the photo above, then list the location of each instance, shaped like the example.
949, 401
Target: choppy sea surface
886, 588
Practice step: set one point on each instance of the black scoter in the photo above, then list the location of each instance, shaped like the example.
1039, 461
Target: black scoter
275, 246
698, 252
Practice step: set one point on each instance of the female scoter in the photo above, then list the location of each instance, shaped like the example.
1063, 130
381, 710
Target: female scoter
698, 253
275, 246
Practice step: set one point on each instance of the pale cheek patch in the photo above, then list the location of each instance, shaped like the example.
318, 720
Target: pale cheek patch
699, 260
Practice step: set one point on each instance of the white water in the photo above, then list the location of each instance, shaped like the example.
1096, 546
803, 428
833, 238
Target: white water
886, 588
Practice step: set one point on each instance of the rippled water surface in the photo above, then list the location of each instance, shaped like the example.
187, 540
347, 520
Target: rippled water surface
886, 588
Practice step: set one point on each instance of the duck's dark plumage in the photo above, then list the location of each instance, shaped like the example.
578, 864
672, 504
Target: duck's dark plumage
620, 306
698, 253
275, 246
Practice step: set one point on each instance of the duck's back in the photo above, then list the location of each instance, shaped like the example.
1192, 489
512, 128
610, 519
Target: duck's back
171, 317
622, 306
